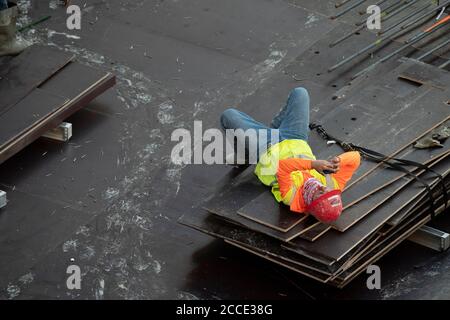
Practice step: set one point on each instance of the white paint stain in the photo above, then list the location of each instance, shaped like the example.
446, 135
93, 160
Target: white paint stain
111, 193
53, 4
13, 291
199, 107
26, 278
84, 230
70, 245
51, 33
156, 267
87, 253
275, 57
311, 19
99, 293
183, 295
165, 115
142, 223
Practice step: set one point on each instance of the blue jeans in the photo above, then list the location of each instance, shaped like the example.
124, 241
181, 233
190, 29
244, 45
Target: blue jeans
3, 4
292, 122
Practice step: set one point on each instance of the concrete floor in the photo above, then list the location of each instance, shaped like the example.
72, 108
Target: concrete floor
110, 199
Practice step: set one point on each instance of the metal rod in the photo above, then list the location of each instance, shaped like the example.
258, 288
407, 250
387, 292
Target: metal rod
432, 10
445, 64
348, 9
361, 25
340, 4
410, 42
379, 3
346, 36
434, 49
32, 24
412, 14
398, 10
360, 52
370, 46
384, 13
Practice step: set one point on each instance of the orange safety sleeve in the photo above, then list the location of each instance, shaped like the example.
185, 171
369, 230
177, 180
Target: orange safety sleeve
349, 164
285, 167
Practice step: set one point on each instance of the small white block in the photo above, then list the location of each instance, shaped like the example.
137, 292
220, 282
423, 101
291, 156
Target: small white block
62, 133
3, 199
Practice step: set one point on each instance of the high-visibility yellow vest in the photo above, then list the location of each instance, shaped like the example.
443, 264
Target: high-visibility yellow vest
267, 167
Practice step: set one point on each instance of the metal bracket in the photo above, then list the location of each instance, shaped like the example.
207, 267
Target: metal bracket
431, 238
61, 133
3, 199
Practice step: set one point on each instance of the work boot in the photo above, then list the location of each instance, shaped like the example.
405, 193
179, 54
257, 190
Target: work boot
9, 44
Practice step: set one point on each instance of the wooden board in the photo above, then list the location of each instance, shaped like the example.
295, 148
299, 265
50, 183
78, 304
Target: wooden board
27, 113
427, 74
22, 74
267, 211
291, 266
383, 176
357, 212
380, 252
316, 232
214, 226
419, 201
401, 233
84, 87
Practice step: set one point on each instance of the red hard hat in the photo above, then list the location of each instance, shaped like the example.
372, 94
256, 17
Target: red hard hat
327, 208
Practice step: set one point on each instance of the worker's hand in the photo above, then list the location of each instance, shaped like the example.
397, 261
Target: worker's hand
324, 166
337, 162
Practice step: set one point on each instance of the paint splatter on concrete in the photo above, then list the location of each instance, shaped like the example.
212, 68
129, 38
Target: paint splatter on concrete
87, 253
70, 245
54, 4
26, 278
111, 193
99, 293
312, 18
13, 291
183, 295
165, 113
52, 33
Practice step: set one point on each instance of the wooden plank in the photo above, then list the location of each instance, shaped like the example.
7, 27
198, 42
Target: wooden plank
409, 123
352, 215
383, 176
216, 227
53, 118
427, 74
375, 256
423, 199
27, 113
358, 211
401, 233
316, 232
22, 74
335, 245
267, 211
289, 265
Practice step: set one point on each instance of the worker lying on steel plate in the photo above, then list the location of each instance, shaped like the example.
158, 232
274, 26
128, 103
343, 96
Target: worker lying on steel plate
289, 166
